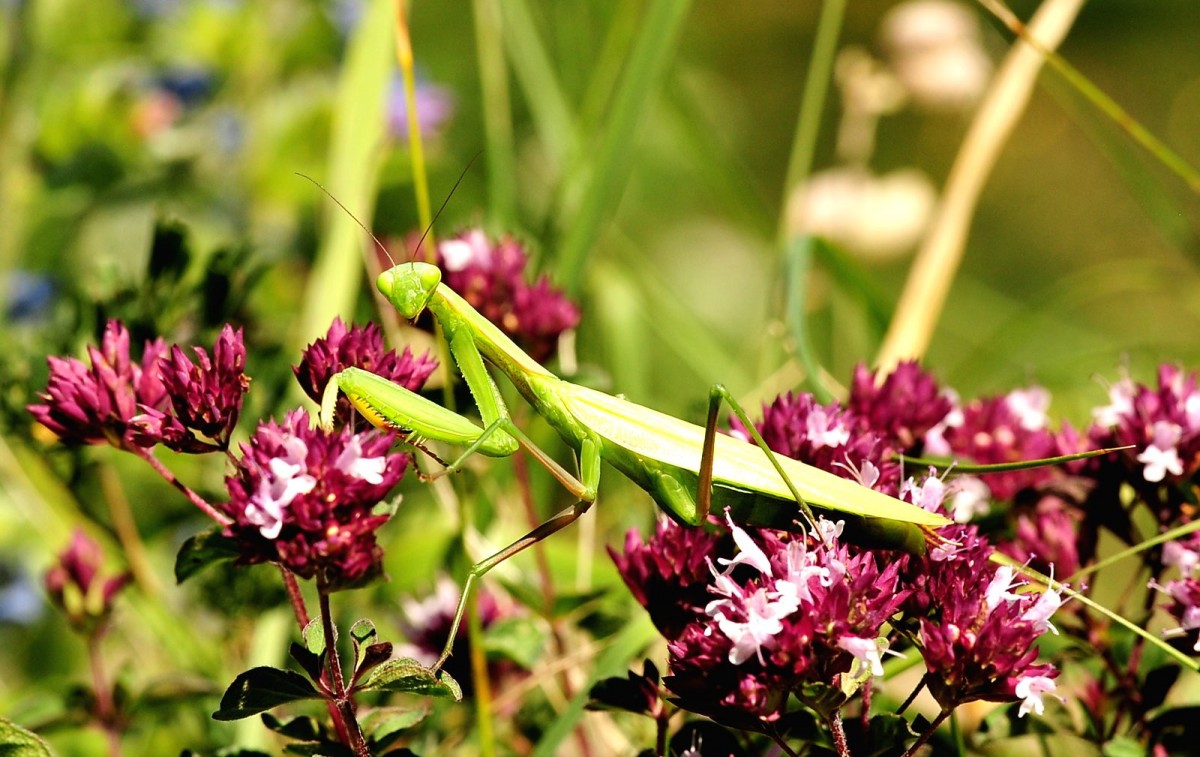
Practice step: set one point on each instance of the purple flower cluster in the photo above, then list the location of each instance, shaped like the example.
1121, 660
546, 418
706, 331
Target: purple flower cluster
491, 277
754, 620
800, 617
168, 399
306, 498
358, 347
302, 497
1163, 424
791, 615
1184, 592
977, 642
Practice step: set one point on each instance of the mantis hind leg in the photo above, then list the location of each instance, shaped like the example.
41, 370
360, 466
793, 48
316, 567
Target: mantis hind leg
584, 488
716, 395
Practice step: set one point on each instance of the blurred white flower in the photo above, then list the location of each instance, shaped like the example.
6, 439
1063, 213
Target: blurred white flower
935, 50
874, 216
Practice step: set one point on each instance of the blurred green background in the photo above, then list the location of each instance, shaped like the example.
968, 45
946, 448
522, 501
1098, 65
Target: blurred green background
639, 149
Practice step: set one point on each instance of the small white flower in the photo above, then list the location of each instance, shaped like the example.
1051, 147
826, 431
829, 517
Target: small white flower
459, 253
1000, 588
970, 497
1041, 610
928, 495
1120, 404
1191, 408
1029, 406
285, 481
1031, 690
749, 553
824, 430
369, 469
877, 217
936, 51
1161, 457
866, 655
764, 613
1184, 558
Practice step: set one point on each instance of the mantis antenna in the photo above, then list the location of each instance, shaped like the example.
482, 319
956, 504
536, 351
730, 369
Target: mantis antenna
374, 238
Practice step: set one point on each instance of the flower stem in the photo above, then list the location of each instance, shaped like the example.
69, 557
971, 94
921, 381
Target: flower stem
479, 675
294, 595
345, 706
193, 497
924, 737
106, 712
838, 731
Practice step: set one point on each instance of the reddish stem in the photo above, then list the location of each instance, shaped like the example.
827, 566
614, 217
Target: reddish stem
345, 705
196, 499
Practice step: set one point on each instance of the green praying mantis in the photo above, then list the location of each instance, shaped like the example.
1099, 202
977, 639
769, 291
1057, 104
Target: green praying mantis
687, 469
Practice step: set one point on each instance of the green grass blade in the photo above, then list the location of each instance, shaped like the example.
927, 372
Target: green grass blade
603, 173
535, 73
354, 159
497, 113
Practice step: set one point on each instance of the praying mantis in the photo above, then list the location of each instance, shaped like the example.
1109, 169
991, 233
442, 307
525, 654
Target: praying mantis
686, 469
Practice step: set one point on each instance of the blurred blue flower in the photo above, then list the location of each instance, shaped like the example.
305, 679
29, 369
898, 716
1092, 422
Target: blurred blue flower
435, 106
29, 296
190, 85
21, 601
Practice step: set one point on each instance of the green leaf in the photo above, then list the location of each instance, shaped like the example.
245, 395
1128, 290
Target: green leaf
301, 728
362, 632
15, 741
260, 689
374, 655
517, 639
310, 662
411, 677
202, 550
314, 636
1123, 746
383, 724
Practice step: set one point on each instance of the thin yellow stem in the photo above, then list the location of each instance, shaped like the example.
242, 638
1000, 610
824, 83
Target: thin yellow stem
941, 251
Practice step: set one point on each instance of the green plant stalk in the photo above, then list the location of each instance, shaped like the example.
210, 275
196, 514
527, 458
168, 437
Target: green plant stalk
797, 249
497, 114
1105, 104
601, 177
416, 148
535, 74
812, 106
483, 686
354, 164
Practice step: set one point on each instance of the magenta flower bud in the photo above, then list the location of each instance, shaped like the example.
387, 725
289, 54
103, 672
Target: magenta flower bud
74, 584
97, 404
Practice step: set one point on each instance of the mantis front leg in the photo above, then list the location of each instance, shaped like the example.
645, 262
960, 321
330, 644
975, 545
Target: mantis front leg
391, 406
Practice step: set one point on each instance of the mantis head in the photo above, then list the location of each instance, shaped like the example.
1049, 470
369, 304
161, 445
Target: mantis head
409, 286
